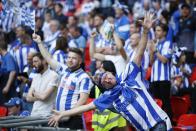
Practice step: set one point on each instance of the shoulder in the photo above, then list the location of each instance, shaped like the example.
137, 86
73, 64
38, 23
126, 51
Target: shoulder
125, 18
131, 70
8, 56
83, 75
61, 68
52, 73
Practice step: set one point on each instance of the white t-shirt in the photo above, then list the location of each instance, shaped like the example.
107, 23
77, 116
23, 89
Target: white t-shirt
118, 61
41, 83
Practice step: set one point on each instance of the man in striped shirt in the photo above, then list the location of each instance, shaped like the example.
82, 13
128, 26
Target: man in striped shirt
128, 94
160, 57
74, 86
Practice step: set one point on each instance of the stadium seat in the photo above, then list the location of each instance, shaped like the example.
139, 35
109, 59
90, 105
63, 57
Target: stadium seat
179, 107
188, 100
148, 73
3, 111
159, 102
186, 122
87, 58
87, 118
193, 76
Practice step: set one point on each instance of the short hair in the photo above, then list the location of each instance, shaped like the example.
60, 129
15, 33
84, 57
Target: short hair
74, 17
100, 16
165, 14
63, 26
3, 44
61, 43
185, 5
39, 55
164, 27
56, 22
77, 51
60, 5
109, 66
76, 28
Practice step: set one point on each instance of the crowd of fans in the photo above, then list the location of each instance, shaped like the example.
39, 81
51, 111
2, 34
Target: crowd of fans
109, 32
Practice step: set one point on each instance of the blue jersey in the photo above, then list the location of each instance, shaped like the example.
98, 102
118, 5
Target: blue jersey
122, 27
70, 87
8, 64
131, 99
161, 71
176, 72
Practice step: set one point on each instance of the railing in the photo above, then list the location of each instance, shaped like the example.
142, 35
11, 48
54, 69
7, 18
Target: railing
33, 123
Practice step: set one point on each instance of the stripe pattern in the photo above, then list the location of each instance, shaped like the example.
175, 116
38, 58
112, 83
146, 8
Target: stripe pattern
131, 99
70, 87
27, 16
161, 71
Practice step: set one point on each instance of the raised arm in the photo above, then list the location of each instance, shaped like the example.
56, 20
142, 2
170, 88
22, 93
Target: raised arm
92, 50
59, 115
147, 24
53, 63
119, 46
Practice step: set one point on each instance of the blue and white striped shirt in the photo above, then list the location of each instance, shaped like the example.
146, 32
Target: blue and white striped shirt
60, 56
176, 72
131, 99
70, 87
7, 21
161, 71
21, 54
131, 53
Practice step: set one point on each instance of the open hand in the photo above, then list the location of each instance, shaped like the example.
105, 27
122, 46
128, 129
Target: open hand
54, 119
148, 21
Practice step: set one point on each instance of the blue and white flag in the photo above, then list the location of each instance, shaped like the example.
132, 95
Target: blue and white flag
7, 15
28, 16
17, 12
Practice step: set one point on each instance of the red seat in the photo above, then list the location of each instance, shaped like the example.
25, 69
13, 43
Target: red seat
193, 75
188, 100
87, 58
87, 118
159, 102
148, 73
186, 122
3, 111
179, 107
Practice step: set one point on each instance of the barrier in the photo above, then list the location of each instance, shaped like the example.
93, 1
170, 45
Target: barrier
35, 123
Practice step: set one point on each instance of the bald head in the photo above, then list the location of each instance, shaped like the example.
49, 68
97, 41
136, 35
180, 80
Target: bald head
54, 25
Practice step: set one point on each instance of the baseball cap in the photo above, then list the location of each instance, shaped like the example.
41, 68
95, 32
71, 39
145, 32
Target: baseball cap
185, 5
13, 102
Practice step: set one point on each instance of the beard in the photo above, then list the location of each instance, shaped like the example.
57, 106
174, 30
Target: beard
39, 69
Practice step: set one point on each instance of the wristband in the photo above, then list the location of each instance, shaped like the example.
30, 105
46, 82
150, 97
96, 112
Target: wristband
156, 51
